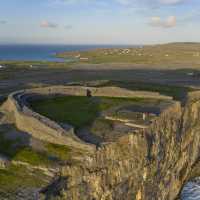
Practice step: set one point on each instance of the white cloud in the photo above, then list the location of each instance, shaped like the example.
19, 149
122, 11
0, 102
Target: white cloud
150, 2
170, 22
124, 2
68, 27
47, 24
68, 2
3, 22
170, 1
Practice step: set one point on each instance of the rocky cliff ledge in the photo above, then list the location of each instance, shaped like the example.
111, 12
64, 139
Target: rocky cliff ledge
151, 164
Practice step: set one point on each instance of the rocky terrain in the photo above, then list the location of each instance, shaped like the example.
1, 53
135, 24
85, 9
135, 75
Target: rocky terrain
152, 164
146, 164
43, 159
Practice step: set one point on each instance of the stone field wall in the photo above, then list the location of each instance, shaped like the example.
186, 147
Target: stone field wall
45, 129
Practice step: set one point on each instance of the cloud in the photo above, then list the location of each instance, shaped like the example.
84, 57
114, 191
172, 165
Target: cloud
170, 22
69, 2
47, 24
170, 2
124, 2
68, 27
3, 22
149, 2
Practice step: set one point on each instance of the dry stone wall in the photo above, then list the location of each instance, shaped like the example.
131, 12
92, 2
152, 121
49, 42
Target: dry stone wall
45, 129
103, 91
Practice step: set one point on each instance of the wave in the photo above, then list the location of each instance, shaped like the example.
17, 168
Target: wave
191, 190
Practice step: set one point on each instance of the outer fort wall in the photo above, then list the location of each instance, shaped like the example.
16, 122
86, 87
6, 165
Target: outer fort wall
103, 91
40, 126
45, 129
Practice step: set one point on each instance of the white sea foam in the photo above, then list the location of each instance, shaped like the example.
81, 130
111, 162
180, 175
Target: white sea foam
191, 190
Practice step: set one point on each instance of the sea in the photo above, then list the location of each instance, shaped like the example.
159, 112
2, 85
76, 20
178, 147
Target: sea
191, 191
27, 52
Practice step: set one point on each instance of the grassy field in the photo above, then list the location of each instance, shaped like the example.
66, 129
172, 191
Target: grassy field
78, 111
50, 155
19, 177
34, 64
174, 53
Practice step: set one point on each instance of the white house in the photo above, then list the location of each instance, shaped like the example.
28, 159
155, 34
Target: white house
84, 59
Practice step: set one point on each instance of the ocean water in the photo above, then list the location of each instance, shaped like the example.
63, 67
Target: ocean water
191, 191
42, 52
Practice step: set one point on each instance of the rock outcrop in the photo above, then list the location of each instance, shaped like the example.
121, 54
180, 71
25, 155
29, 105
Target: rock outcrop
152, 164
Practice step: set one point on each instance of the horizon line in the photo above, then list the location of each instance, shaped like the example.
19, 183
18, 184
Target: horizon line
98, 44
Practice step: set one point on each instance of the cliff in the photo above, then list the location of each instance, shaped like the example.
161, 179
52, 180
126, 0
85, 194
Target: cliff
151, 164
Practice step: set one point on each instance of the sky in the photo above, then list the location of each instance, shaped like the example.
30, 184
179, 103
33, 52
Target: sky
99, 21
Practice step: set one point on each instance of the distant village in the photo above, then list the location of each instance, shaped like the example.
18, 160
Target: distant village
124, 51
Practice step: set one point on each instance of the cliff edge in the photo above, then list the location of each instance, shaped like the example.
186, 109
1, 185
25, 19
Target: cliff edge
151, 164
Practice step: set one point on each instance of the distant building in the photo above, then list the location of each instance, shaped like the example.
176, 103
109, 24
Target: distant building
1, 66
144, 116
197, 54
4, 162
190, 74
78, 56
84, 59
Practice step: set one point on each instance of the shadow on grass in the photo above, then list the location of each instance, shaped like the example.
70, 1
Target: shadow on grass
18, 146
78, 111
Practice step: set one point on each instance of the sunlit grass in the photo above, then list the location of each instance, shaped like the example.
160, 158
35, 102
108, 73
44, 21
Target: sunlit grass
78, 111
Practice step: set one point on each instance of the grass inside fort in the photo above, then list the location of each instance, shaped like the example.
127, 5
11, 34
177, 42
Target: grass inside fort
79, 111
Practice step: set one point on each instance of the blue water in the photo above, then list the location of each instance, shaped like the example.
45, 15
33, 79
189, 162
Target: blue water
41, 52
191, 191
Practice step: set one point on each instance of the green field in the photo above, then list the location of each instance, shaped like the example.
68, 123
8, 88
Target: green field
173, 53
79, 111
23, 173
14, 178
17, 151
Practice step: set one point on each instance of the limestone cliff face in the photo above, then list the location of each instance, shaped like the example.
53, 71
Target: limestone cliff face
147, 165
